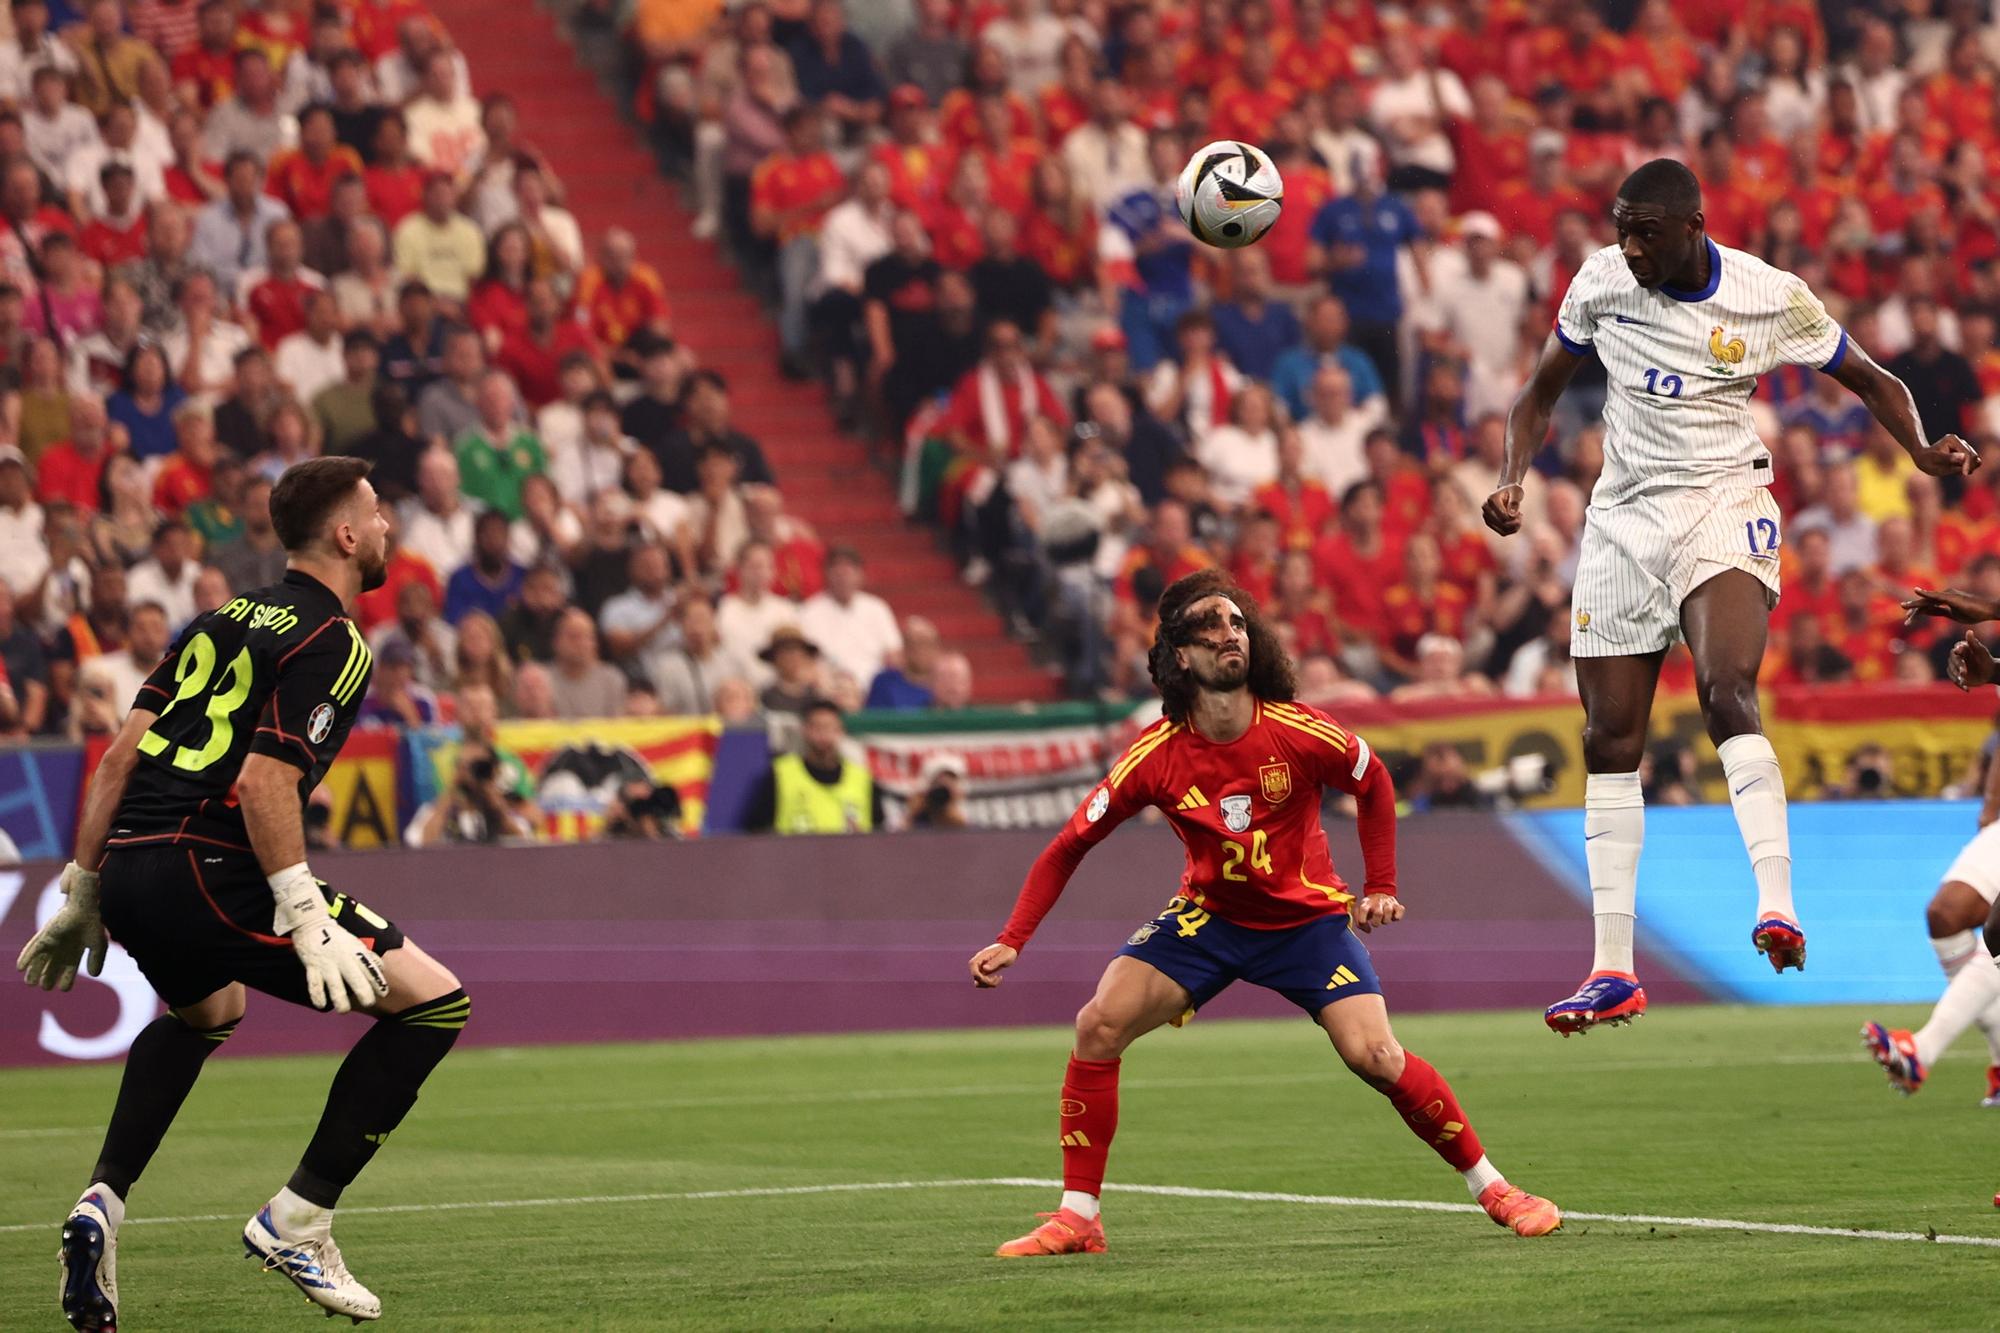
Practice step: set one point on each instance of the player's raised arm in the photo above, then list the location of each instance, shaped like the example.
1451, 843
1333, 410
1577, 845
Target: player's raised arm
1888, 399
1528, 429
1111, 802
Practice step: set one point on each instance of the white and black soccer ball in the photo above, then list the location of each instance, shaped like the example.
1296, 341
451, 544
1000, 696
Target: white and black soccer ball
1229, 194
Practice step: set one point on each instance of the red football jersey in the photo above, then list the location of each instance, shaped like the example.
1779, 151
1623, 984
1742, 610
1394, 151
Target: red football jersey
1248, 813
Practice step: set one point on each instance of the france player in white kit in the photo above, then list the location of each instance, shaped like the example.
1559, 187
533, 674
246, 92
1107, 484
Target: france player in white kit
1682, 537
1967, 898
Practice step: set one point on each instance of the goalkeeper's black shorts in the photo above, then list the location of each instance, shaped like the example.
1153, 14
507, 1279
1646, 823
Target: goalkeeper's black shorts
196, 918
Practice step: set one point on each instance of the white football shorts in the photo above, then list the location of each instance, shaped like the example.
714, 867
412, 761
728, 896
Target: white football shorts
1979, 864
1642, 558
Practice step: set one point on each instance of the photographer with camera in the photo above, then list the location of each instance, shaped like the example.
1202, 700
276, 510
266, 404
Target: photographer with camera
642, 809
476, 807
942, 804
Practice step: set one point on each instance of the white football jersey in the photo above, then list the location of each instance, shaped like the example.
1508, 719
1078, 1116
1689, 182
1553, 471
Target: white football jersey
1681, 365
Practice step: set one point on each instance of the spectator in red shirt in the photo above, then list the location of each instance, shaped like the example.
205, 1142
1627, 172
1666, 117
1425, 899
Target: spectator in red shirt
205, 73
188, 474
304, 177
1301, 504
395, 179
917, 164
1248, 102
1658, 49
192, 178
1490, 145
499, 304
620, 298
790, 193
1169, 551
958, 240
1317, 52
986, 75
118, 234
1529, 207
536, 354
1009, 158
1421, 603
72, 471
993, 403
1358, 562
275, 300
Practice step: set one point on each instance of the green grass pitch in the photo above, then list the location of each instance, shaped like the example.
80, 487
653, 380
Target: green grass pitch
1760, 1115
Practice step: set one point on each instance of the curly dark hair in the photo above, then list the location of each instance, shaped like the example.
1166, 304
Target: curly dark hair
1271, 677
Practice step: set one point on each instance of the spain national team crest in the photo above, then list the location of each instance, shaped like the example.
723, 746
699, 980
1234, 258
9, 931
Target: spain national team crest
1275, 781
1235, 813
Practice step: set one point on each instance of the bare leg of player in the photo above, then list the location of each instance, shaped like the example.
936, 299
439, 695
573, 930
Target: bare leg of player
1132, 999
1617, 701
1972, 995
416, 1024
160, 1070
1359, 1028
1725, 620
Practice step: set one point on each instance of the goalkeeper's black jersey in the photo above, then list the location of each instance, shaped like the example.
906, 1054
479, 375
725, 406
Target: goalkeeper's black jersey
280, 671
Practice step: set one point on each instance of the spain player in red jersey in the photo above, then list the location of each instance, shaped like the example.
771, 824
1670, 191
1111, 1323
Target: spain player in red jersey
1238, 767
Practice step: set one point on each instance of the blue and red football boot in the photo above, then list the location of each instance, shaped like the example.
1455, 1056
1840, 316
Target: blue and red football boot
1896, 1051
1782, 940
1611, 999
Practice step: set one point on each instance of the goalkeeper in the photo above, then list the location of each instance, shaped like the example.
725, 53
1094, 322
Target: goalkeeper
191, 852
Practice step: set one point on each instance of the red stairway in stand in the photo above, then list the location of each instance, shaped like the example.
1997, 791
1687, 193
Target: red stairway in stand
612, 180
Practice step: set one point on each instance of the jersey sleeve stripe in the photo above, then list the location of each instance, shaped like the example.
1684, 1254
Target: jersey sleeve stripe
1314, 732
1142, 747
1839, 355
359, 659
1318, 724
1570, 345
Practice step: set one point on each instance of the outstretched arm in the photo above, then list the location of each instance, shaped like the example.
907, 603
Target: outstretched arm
1046, 880
1375, 809
1527, 430
1888, 400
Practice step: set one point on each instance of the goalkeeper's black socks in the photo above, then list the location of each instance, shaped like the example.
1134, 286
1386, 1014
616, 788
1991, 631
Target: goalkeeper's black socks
160, 1071
375, 1088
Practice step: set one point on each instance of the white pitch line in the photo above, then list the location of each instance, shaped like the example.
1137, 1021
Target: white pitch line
1160, 1191
1330, 1073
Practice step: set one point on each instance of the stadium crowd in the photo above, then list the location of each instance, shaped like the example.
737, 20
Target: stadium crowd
239, 234
964, 214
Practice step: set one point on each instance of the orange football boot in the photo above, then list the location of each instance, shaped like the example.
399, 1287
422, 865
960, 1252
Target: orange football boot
1063, 1232
1515, 1208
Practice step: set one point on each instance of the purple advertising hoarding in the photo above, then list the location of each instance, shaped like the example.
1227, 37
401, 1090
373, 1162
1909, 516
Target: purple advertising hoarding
730, 936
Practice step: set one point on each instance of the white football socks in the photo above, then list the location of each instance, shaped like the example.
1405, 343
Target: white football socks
1954, 952
1972, 992
295, 1218
1614, 829
1479, 1175
1083, 1205
1757, 792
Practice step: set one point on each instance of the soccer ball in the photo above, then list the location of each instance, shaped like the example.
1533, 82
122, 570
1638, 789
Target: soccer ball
1229, 194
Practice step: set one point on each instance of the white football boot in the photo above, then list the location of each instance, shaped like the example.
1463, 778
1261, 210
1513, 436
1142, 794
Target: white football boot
300, 1245
89, 1260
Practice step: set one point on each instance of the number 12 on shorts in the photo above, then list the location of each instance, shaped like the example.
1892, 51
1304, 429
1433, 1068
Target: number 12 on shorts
1762, 534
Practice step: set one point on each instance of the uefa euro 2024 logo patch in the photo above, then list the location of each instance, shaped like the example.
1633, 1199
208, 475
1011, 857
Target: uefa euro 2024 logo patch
1100, 801
1235, 813
320, 723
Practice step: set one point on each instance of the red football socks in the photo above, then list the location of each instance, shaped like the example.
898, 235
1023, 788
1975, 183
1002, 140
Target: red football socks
1428, 1106
1089, 1119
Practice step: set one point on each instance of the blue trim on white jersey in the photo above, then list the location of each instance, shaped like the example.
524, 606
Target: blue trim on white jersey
1570, 344
1714, 277
1839, 355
